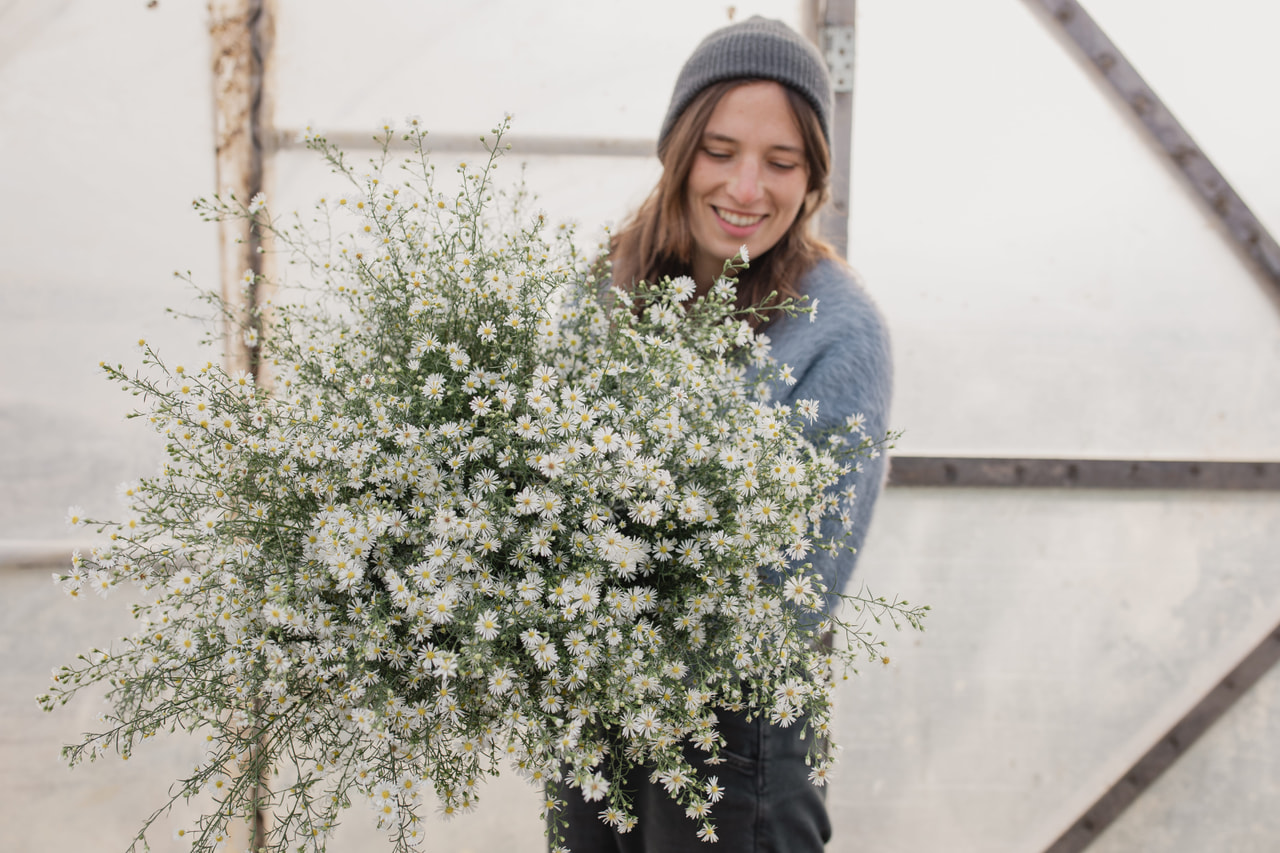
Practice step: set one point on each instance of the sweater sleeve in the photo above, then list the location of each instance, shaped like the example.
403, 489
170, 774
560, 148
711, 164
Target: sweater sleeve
852, 374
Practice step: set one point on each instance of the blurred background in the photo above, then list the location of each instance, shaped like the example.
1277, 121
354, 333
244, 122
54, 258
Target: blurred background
1066, 311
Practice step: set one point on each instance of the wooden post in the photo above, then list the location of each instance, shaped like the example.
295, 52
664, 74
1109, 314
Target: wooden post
241, 32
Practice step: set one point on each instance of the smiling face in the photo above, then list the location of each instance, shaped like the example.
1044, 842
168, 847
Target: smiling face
748, 180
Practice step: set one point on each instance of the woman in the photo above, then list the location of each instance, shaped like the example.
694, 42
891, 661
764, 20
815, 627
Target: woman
745, 155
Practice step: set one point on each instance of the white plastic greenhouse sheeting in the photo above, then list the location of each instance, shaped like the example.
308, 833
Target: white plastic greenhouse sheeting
1052, 288
105, 137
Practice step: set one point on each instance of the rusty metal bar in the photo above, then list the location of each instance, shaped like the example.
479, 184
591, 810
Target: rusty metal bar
1248, 233
984, 472
1175, 742
552, 146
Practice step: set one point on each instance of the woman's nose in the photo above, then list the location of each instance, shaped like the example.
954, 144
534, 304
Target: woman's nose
744, 184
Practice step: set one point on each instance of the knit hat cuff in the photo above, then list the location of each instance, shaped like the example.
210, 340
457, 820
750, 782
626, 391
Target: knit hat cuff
758, 48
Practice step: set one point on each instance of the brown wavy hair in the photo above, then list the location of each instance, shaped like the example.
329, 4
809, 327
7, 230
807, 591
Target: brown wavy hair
657, 240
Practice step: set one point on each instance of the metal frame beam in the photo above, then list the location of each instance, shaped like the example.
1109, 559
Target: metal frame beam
1245, 229
1254, 241
550, 146
965, 472
988, 472
1170, 747
836, 40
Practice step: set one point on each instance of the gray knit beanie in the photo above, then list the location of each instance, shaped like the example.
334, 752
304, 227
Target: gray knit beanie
759, 48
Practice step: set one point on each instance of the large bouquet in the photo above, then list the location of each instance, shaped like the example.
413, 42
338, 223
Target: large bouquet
489, 510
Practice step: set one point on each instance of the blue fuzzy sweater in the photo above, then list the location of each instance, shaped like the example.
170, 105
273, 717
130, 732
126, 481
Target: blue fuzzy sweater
841, 359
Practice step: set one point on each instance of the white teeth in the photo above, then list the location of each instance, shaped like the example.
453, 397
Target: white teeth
735, 219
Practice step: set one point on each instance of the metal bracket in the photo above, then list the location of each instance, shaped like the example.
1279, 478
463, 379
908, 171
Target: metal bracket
837, 47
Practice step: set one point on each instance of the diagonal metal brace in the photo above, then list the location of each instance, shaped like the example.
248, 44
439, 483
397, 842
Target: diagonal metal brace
1169, 748
1240, 221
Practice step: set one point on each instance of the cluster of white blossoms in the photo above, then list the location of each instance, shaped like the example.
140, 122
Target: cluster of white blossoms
490, 512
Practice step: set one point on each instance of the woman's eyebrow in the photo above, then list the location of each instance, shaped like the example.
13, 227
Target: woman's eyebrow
720, 137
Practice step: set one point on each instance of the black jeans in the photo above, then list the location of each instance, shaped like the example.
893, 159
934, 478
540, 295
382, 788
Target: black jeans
769, 804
